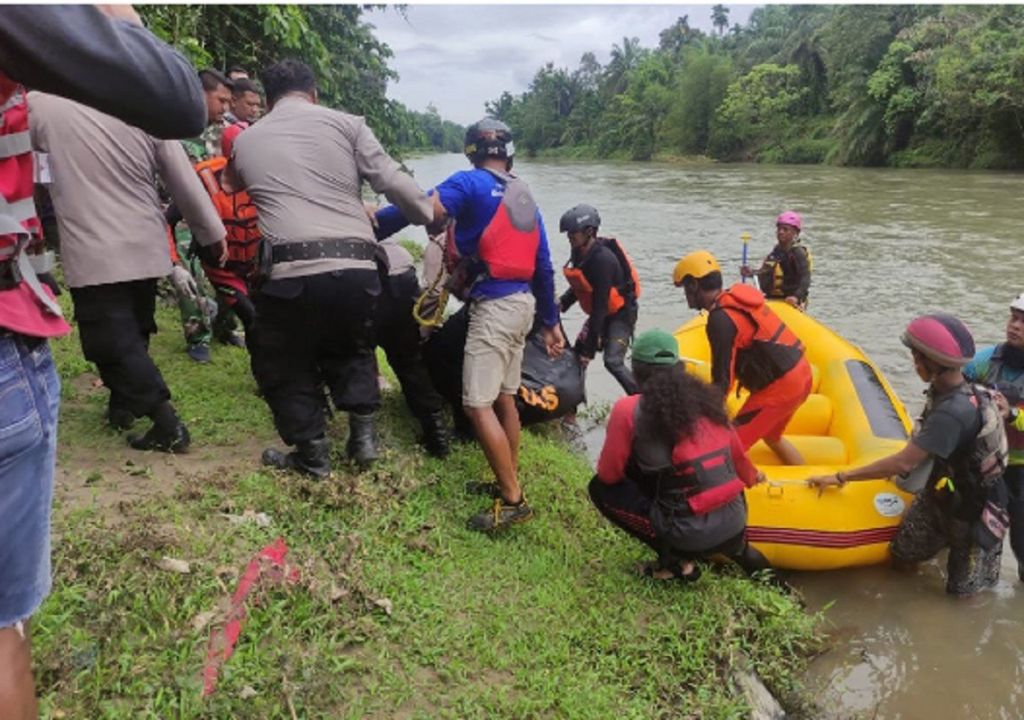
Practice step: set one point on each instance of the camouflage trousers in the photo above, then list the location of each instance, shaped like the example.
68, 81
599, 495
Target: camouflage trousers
927, 528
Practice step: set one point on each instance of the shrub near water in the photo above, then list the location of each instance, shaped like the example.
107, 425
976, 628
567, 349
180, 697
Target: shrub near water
399, 611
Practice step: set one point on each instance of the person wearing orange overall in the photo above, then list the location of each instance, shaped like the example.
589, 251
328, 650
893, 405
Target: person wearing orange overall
751, 346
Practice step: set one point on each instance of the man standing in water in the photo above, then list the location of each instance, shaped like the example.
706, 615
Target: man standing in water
507, 279
961, 432
1002, 367
749, 344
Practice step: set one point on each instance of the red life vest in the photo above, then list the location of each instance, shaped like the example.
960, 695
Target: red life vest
583, 290
695, 476
508, 245
766, 349
237, 213
26, 306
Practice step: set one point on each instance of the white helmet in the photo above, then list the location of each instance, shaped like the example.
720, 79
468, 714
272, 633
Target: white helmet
1018, 303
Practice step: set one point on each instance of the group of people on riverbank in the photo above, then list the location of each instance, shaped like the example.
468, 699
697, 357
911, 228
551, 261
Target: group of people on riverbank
276, 220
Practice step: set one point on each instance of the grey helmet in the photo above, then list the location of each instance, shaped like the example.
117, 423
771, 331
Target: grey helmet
489, 138
579, 218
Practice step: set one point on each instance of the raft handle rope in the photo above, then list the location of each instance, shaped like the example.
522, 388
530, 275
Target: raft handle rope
436, 317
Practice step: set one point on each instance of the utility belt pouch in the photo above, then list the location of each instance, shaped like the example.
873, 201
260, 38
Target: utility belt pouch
264, 264
992, 525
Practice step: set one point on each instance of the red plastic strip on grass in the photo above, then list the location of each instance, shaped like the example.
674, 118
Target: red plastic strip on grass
268, 563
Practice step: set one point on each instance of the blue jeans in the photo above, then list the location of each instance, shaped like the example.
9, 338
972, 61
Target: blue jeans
29, 402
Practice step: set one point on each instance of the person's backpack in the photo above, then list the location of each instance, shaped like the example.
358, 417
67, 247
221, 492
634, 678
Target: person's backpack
990, 452
986, 463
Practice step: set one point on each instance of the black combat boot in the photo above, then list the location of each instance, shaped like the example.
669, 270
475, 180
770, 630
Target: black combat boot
168, 433
310, 457
362, 439
435, 434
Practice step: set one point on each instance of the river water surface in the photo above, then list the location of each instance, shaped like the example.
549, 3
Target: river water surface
887, 245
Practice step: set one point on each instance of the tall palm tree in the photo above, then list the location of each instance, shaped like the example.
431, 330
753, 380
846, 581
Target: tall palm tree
624, 58
720, 18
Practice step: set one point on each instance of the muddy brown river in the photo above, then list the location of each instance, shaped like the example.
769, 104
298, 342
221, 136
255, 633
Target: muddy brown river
887, 245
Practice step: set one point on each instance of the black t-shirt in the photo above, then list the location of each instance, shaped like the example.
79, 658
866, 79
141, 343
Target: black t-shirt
949, 425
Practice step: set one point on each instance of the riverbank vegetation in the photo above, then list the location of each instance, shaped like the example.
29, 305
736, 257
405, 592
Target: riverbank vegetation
394, 608
898, 85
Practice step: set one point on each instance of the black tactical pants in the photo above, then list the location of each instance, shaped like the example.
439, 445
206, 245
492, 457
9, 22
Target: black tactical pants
617, 335
314, 331
115, 321
399, 336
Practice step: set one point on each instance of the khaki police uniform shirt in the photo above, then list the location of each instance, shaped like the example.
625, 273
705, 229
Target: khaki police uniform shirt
303, 165
104, 192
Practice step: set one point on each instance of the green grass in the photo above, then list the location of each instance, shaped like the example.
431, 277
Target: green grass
400, 610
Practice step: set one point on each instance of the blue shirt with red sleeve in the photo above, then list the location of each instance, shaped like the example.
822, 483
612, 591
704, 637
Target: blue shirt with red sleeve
472, 197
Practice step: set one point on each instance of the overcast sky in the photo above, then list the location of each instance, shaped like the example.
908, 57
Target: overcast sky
460, 56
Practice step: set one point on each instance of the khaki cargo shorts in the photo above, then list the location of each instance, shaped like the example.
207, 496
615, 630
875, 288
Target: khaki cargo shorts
494, 348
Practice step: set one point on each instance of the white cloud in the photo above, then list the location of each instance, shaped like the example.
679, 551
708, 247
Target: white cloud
460, 56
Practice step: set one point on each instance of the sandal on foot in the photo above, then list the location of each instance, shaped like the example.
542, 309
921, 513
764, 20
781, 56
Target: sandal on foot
675, 571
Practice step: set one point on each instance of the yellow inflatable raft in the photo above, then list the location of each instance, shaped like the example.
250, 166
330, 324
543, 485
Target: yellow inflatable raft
852, 417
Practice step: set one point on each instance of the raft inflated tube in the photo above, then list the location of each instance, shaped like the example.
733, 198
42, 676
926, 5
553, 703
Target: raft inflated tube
852, 417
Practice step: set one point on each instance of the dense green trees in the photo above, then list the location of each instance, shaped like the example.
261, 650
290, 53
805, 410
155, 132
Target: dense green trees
335, 40
850, 84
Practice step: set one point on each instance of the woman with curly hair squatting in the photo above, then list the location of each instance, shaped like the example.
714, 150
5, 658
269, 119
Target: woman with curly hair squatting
672, 470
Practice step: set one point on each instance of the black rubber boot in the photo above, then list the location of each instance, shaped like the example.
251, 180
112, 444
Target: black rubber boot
435, 434
362, 439
168, 433
312, 457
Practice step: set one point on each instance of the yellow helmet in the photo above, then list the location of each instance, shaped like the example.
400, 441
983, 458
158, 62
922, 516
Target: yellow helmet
696, 265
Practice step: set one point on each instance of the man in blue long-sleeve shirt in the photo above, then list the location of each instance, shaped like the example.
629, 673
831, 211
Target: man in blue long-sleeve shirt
508, 280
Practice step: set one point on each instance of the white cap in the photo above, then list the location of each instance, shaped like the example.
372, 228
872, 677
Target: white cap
1018, 303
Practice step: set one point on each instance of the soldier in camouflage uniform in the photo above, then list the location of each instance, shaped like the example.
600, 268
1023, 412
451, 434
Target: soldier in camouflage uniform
199, 308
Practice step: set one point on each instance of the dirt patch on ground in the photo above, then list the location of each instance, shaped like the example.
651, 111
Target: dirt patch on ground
109, 479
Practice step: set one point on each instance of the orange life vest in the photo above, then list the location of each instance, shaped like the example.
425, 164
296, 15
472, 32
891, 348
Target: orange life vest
26, 305
768, 349
583, 290
236, 211
508, 245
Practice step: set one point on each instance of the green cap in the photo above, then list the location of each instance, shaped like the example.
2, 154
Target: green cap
656, 347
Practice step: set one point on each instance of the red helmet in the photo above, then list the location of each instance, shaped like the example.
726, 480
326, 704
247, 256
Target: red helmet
942, 338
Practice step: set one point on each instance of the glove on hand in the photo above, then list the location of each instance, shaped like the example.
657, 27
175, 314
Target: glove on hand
184, 283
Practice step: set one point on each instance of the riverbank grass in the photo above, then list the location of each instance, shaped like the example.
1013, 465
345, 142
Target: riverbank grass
397, 610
